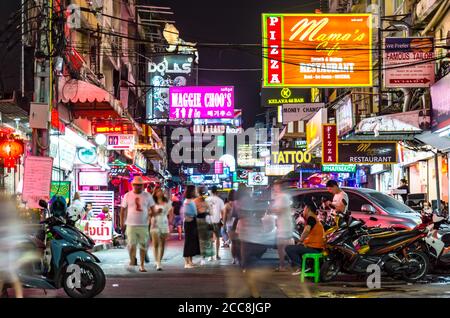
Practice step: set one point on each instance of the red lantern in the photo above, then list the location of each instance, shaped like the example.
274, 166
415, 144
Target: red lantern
10, 152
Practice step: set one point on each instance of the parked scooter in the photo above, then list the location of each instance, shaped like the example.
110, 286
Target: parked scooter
60, 247
350, 251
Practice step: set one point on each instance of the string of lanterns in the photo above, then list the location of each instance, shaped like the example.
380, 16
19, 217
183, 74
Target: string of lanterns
11, 148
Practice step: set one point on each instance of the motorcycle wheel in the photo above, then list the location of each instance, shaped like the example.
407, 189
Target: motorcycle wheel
92, 281
421, 267
329, 270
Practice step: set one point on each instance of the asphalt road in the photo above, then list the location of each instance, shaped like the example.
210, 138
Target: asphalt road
221, 279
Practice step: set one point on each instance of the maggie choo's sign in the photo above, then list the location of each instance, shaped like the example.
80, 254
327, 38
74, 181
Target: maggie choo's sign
322, 50
273, 97
294, 156
357, 152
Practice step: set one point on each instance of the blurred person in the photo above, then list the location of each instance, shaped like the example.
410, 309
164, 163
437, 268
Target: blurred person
216, 206
88, 212
340, 199
76, 209
230, 219
177, 219
404, 186
191, 241
204, 225
137, 205
312, 239
104, 215
159, 228
10, 236
281, 207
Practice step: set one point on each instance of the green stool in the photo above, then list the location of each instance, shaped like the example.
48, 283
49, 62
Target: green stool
316, 272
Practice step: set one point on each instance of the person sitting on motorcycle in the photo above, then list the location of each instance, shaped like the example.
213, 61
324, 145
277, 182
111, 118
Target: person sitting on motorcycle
312, 239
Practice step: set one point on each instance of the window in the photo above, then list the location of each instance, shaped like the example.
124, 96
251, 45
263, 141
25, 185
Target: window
356, 202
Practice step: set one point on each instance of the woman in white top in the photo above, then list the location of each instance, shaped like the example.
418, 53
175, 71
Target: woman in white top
159, 229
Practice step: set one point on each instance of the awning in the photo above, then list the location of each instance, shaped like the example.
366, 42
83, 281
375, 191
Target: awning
90, 101
435, 141
10, 109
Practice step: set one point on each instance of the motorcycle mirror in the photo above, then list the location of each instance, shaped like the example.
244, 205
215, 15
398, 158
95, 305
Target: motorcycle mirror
43, 204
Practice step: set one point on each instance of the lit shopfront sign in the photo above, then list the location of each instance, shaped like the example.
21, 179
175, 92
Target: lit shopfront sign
339, 168
329, 144
290, 157
367, 152
278, 170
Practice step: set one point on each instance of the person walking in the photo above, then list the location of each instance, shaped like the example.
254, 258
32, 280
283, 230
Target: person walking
191, 242
204, 226
216, 207
230, 221
135, 211
159, 228
285, 225
177, 219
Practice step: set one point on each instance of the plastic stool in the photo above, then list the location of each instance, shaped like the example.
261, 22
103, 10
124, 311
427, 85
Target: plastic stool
316, 272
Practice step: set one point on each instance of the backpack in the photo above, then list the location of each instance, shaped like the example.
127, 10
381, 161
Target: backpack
58, 207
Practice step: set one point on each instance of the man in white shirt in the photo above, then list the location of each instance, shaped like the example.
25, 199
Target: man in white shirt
137, 207
216, 207
340, 199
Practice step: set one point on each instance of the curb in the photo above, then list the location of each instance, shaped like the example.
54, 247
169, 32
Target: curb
102, 247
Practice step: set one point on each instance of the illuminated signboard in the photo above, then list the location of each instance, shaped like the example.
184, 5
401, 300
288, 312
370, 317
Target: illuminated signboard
257, 179
317, 50
290, 157
108, 129
201, 102
278, 170
339, 168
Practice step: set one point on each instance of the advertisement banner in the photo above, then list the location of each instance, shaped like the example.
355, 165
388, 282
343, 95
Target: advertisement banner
314, 128
274, 97
201, 102
367, 152
329, 144
297, 112
123, 142
440, 99
405, 62
317, 50
164, 72
279, 170
345, 116
61, 188
37, 177
100, 231
290, 157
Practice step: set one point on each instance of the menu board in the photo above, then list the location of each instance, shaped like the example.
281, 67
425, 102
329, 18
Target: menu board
37, 178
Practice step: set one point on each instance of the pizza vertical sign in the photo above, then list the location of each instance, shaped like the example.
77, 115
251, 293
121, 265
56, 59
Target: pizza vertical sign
317, 50
329, 144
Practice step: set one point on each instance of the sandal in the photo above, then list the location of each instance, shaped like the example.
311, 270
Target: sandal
142, 270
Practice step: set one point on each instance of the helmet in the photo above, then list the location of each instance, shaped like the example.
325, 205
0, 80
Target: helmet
58, 207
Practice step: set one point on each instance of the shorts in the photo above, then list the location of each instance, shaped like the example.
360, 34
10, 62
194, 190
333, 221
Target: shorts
159, 232
138, 235
216, 229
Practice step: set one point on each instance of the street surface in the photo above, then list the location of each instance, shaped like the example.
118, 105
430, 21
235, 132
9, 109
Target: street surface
221, 279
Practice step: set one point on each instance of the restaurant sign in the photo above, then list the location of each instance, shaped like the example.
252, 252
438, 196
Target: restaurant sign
367, 152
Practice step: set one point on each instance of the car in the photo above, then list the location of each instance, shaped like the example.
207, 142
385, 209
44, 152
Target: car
373, 207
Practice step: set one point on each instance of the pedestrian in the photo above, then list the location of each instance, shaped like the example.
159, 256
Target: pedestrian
137, 205
281, 207
216, 207
312, 239
104, 215
159, 228
204, 226
76, 209
230, 221
178, 219
404, 186
191, 242
88, 212
340, 199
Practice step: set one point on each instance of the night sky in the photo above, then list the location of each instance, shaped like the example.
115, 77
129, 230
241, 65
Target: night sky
202, 21
236, 21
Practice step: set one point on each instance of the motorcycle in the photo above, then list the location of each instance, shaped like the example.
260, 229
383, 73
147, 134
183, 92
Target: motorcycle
62, 260
352, 248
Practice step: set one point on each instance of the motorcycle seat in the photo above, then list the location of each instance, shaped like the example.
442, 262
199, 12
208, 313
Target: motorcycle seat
392, 238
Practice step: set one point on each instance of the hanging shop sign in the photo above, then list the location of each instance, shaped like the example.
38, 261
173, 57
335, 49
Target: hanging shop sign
87, 155
278, 170
314, 128
140, 161
257, 179
61, 188
251, 155
298, 112
163, 72
209, 129
317, 50
201, 102
440, 98
37, 178
329, 144
409, 62
294, 156
93, 178
345, 116
120, 142
301, 144
63, 151
367, 152
241, 175
274, 97
340, 168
